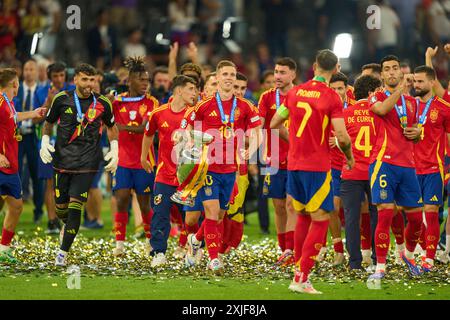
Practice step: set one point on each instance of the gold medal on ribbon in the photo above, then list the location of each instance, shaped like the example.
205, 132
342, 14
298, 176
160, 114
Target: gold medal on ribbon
17, 135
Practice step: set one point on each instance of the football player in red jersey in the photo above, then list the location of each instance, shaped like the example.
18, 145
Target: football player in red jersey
434, 121
358, 121
165, 119
10, 186
311, 107
226, 117
275, 180
130, 112
373, 69
442, 93
339, 83
393, 177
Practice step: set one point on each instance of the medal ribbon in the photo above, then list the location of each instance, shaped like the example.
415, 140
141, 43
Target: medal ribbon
423, 117
80, 115
83, 122
12, 110
222, 113
130, 99
277, 98
401, 111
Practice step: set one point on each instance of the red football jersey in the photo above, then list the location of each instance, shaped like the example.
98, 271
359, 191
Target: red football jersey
391, 145
267, 108
350, 94
311, 106
131, 114
336, 155
429, 152
9, 146
446, 96
207, 118
359, 123
166, 122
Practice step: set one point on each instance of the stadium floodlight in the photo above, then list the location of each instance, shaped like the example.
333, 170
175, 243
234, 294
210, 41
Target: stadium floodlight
160, 40
343, 45
226, 29
34, 42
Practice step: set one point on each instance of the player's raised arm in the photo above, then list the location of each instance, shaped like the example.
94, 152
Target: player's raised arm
383, 108
429, 55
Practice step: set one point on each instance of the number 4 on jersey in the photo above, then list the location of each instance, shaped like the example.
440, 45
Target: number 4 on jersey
364, 133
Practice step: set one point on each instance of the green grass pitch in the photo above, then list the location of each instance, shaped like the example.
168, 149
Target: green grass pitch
249, 273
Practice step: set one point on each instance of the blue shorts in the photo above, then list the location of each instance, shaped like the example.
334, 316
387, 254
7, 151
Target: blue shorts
336, 182
198, 206
10, 185
432, 188
310, 190
137, 179
218, 186
394, 184
45, 171
275, 185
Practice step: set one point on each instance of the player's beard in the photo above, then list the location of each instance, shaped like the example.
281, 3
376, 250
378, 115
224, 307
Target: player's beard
86, 91
421, 93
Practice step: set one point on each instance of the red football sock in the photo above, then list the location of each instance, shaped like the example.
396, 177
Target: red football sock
7, 237
220, 230
237, 230
226, 234
366, 236
282, 241
432, 233
301, 231
413, 229
211, 238
382, 239
200, 235
176, 216
121, 220
324, 243
183, 237
338, 246
192, 229
312, 246
398, 228
423, 230
147, 220
289, 240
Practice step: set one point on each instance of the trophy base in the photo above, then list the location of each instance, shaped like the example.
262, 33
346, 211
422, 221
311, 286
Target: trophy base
176, 197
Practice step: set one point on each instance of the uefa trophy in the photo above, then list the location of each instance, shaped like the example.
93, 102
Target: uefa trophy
192, 166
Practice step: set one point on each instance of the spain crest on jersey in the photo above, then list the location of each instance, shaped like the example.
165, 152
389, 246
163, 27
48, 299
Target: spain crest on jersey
434, 113
133, 115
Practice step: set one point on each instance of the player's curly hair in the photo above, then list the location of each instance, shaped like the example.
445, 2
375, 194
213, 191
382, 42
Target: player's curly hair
364, 85
135, 64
